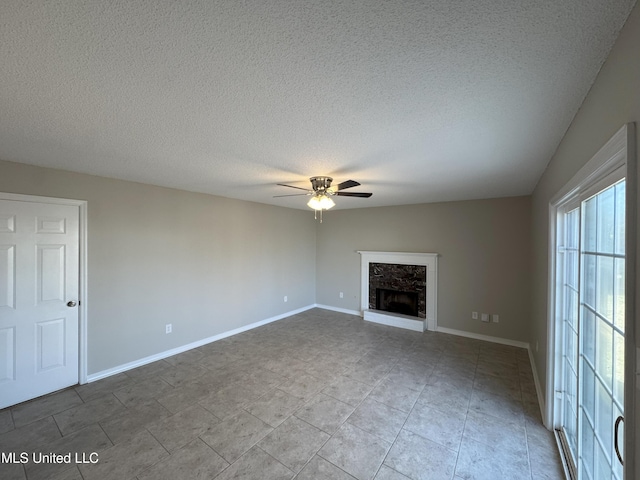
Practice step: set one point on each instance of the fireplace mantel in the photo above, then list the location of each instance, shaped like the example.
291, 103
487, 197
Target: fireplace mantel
429, 260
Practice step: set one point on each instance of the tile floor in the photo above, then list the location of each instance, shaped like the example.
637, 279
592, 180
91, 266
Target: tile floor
319, 395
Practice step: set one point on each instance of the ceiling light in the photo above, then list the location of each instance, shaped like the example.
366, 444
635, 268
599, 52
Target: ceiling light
320, 202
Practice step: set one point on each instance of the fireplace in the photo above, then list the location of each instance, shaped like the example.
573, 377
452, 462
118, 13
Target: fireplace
397, 301
409, 283
400, 289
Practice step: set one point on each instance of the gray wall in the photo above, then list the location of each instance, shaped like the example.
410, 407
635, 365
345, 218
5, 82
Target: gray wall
156, 255
484, 263
614, 100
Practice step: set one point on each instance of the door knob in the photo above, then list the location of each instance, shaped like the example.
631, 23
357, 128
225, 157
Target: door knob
71, 304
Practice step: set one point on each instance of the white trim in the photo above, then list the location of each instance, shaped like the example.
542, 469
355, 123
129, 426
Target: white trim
486, 338
607, 160
536, 381
429, 260
83, 268
174, 351
395, 320
338, 309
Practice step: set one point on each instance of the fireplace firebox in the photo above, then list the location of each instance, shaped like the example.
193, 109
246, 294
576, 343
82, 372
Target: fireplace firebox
397, 301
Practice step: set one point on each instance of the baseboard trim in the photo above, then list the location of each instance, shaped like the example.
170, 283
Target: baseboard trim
536, 381
174, 351
486, 338
338, 309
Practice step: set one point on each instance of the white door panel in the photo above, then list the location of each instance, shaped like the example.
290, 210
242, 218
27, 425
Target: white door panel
39, 273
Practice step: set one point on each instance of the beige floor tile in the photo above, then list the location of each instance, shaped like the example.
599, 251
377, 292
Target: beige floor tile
499, 406
404, 377
303, 386
72, 474
180, 398
105, 386
76, 418
347, 390
6, 422
369, 374
224, 394
181, 375
256, 464
505, 386
42, 407
33, 437
419, 458
234, 436
325, 413
126, 460
446, 398
85, 442
386, 473
181, 428
228, 401
12, 471
196, 461
400, 398
319, 469
131, 421
481, 461
379, 419
500, 433
274, 407
433, 425
143, 390
293, 443
355, 451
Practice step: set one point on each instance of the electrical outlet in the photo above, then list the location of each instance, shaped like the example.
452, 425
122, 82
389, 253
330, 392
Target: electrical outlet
496, 318
168, 328
474, 315
484, 317
285, 299
341, 295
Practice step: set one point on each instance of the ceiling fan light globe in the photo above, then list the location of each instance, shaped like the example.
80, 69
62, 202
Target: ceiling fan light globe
326, 203
320, 202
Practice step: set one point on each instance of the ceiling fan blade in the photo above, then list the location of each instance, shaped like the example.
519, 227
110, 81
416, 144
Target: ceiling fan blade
354, 194
291, 186
345, 184
293, 195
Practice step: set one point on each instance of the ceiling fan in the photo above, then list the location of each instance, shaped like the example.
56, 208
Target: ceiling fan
322, 191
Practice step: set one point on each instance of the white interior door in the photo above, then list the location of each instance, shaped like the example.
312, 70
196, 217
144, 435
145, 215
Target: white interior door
39, 275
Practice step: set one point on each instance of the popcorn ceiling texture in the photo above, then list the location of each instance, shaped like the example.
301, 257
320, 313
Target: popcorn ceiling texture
420, 101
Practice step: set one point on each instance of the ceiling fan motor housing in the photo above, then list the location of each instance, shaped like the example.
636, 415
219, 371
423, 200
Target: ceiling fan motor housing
321, 184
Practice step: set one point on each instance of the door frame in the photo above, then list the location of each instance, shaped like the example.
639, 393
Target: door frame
82, 280
618, 152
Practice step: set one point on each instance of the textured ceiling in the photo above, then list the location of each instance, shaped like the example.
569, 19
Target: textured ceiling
420, 101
